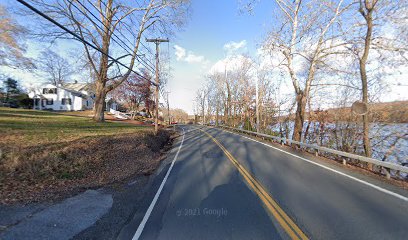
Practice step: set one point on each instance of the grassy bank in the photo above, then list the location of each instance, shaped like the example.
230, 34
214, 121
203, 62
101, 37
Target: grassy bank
44, 153
30, 127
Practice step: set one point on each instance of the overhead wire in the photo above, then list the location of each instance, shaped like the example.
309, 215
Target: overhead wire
122, 33
131, 32
79, 38
113, 33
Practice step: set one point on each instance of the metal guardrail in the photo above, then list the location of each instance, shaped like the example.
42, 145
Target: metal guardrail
387, 166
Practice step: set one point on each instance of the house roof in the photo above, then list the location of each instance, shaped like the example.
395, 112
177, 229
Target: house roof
83, 90
78, 87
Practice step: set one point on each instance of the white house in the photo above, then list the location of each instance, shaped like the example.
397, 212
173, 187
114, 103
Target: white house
65, 97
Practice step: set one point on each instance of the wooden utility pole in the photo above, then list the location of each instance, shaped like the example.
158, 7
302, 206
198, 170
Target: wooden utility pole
157, 41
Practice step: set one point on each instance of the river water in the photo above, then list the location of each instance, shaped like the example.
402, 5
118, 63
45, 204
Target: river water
383, 138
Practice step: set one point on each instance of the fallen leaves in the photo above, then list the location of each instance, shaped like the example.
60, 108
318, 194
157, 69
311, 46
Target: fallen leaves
51, 171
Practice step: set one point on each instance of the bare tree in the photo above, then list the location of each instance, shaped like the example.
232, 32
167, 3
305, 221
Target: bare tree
134, 91
217, 95
12, 47
178, 115
101, 21
56, 68
366, 9
307, 35
201, 96
383, 10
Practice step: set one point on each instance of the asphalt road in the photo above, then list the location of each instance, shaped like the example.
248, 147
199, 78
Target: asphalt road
226, 186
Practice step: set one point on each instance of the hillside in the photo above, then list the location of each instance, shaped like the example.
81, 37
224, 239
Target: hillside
390, 112
386, 112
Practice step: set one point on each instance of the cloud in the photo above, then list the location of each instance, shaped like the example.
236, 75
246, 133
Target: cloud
180, 52
230, 63
190, 57
234, 46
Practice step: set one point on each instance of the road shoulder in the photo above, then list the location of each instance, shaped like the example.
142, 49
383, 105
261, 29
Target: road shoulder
392, 185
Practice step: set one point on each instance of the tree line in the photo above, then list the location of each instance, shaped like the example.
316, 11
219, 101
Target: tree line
111, 35
12, 94
317, 54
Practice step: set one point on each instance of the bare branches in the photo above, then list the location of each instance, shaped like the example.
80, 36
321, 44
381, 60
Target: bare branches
12, 48
57, 68
100, 21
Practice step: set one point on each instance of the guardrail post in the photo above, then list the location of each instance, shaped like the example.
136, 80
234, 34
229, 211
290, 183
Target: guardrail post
345, 156
387, 172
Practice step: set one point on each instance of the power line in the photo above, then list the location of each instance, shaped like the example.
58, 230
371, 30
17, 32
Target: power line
151, 66
94, 21
113, 34
32, 8
126, 26
131, 32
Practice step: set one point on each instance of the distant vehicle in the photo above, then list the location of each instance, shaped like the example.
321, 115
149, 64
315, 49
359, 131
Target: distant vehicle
13, 105
173, 123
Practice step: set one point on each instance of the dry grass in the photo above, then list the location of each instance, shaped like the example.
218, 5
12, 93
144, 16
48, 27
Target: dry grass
44, 154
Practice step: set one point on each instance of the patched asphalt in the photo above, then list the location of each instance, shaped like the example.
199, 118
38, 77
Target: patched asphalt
63, 220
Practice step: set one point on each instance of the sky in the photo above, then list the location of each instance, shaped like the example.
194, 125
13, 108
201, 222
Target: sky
218, 29
214, 30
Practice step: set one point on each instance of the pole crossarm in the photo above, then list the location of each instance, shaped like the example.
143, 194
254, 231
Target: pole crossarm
157, 40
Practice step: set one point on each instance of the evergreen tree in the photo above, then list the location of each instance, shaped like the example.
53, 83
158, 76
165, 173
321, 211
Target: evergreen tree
11, 88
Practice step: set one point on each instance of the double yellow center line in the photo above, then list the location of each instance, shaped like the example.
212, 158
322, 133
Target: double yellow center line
284, 220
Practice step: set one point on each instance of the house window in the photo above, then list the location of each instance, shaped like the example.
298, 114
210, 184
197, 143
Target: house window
50, 101
66, 101
49, 91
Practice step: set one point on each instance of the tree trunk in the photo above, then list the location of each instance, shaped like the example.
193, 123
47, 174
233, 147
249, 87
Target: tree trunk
308, 120
102, 76
257, 112
366, 123
299, 117
217, 115
99, 103
363, 74
229, 105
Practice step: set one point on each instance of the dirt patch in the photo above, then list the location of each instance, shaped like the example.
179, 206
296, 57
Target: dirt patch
53, 171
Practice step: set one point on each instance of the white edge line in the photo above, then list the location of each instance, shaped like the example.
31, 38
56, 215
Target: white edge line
153, 203
330, 169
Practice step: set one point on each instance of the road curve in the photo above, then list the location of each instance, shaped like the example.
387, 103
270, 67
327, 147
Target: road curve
226, 186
